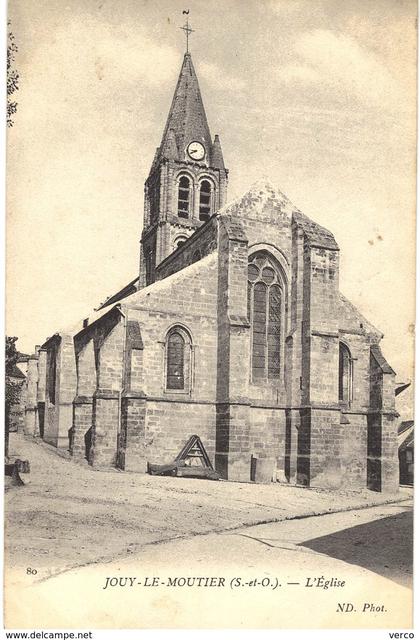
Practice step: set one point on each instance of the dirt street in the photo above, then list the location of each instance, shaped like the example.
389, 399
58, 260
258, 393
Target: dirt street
350, 569
70, 515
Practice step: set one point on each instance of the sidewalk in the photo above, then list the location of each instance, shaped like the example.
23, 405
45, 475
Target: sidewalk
70, 515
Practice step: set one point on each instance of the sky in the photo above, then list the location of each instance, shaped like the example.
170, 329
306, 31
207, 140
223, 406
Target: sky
316, 95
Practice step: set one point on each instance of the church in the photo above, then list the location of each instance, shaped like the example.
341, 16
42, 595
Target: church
234, 330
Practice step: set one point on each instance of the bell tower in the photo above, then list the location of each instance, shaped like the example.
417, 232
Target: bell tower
187, 182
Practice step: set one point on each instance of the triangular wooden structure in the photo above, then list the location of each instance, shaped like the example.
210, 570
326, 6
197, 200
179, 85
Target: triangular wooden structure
194, 452
192, 461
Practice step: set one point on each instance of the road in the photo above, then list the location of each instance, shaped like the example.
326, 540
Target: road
350, 570
71, 515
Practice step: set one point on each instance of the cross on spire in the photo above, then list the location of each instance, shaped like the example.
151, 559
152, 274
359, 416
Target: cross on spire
186, 28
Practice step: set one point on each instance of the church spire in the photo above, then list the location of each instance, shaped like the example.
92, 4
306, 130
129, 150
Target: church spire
187, 118
216, 154
187, 183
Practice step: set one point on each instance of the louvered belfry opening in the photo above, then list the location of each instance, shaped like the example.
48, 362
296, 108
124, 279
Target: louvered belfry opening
205, 200
184, 197
265, 304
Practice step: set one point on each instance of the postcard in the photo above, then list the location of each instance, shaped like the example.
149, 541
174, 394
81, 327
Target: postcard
210, 314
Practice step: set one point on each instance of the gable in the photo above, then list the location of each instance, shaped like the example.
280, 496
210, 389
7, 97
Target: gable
263, 201
350, 319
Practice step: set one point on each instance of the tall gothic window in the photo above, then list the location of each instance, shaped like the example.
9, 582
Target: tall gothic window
178, 360
265, 310
184, 197
345, 374
205, 200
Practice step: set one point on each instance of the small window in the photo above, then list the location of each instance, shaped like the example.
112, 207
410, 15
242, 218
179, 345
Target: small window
205, 200
149, 266
196, 256
179, 242
178, 360
184, 197
345, 375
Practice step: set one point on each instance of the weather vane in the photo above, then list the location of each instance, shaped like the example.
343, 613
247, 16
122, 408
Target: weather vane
186, 28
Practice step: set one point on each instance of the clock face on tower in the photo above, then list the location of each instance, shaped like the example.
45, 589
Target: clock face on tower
196, 150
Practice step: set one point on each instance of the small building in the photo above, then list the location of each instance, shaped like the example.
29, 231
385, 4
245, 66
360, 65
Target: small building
406, 451
17, 411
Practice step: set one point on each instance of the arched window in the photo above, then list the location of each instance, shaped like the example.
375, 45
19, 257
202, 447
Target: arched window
345, 374
196, 256
178, 360
184, 197
205, 200
175, 363
265, 311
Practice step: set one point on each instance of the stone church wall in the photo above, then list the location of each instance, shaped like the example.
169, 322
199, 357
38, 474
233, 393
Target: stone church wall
191, 301
59, 403
280, 241
202, 329
293, 429
99, 363
169, 424
201, 244
162, 420
106, 399
353, 452
267, 440
360, 352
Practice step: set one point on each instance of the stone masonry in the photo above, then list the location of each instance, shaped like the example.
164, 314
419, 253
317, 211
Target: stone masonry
282, 378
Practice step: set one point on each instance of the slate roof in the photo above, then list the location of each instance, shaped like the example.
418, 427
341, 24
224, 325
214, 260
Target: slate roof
408, 442
404, 425
23, 357
401, 386
139, 296
380, 359
14, 372
127, 290
406, 434
187, 120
